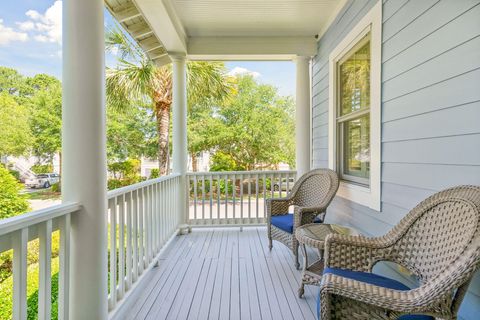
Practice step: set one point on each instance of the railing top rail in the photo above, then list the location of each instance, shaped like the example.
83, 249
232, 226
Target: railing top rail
223, 173
35, 217
117, 192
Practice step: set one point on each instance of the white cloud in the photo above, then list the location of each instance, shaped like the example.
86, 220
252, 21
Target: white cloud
242, 71
46, 27
8, 35
26, 26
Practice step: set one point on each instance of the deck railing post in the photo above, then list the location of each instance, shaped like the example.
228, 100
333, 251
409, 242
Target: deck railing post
302, 115
179, 135
84, 155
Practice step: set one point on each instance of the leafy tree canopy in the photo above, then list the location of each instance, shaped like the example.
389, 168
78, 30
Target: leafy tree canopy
255, 128
15, 137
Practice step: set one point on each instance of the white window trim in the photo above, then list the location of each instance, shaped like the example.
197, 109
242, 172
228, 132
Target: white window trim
371, 22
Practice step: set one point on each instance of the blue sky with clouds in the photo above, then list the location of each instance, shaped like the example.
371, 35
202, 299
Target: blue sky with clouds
30, 41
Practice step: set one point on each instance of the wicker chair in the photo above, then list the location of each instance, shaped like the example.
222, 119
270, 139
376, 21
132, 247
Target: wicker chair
438, 241
310, 196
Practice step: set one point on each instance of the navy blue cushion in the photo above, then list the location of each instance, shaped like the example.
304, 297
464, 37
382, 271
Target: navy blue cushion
285, 222
374, 279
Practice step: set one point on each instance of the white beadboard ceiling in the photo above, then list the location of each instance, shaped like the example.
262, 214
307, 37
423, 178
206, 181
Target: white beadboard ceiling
259, 18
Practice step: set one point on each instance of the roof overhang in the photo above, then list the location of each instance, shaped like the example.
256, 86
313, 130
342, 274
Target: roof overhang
164, 28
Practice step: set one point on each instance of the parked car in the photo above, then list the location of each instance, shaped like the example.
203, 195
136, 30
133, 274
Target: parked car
283, 185
43, 180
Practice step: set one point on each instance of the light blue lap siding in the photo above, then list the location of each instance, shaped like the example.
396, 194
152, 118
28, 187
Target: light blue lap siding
430, 108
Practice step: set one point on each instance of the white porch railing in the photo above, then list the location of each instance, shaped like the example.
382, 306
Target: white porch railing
15, 233
235, 197
143, 217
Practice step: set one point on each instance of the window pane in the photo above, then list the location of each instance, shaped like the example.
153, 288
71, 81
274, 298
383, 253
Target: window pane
356, 146
354, 77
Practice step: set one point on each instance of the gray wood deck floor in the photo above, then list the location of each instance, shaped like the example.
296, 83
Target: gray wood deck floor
224, 274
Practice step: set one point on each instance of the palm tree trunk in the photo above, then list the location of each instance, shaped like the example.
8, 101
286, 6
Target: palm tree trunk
194, 162
162, 113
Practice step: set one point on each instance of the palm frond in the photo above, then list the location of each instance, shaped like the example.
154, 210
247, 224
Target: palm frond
117, 40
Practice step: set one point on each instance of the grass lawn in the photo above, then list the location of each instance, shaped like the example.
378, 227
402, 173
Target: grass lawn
44, 194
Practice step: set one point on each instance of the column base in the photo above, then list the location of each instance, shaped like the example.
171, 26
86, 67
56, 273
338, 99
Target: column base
184, 229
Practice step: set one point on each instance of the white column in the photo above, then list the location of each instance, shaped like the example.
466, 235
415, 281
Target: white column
179, 134
302, 115
84, 155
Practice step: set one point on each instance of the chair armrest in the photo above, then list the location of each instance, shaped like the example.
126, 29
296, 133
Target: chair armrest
305, 215
357, 253
410, 301
278, 206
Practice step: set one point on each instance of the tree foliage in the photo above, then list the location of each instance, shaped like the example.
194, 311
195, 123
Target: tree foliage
46, 119
15, 137
255, 128
138, 81
12, 203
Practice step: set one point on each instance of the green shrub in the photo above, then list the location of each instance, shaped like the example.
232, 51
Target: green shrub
56, 187
6, 290
155, 173
12, 203
15, 173
42, 168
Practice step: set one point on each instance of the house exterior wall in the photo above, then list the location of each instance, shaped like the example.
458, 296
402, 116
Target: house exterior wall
430, 109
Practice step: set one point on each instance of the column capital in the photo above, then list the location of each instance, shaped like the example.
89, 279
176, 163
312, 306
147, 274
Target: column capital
178, 57
302, 58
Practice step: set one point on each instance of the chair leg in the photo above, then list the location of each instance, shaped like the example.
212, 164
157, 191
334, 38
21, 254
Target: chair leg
295, 254
270, 245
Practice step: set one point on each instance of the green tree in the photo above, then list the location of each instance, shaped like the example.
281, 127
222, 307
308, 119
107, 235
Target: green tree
46, 120
15, 137
256, 127
11, 81
138, 81
12, 203
131, 134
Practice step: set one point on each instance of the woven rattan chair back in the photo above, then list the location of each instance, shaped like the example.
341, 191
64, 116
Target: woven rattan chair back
314, 187
441, 231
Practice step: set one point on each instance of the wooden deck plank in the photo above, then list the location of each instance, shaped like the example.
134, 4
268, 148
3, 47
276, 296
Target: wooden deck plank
224, 273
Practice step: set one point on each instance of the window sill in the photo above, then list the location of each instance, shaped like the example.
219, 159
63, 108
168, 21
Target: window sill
359, 194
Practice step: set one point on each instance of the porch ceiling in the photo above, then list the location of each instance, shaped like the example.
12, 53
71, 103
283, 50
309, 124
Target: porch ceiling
226, 29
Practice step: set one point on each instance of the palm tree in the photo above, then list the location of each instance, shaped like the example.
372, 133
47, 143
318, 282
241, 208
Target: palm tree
137, 80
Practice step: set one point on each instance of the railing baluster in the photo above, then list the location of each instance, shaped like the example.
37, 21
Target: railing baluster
45, 270
226, 199
210, 188
135, 235
113, 252
129, 239
203, 198
241, 200
195, 198
218, 199
121, 247
249, 197
141, 231
19, 244
280, 185
64, 273
264, 177
256, 196
234, 195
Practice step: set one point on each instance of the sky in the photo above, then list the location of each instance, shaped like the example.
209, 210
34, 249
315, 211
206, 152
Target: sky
30, 41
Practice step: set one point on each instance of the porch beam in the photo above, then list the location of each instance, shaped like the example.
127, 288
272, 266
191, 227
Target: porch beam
179, 135
165, 24
84, 155
268, 47
302, 114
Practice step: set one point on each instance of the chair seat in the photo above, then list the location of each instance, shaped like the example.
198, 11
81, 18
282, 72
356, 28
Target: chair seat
285, 222
376, 280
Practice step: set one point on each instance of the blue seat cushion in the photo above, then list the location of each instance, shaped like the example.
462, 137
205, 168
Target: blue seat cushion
374, 279
285, 222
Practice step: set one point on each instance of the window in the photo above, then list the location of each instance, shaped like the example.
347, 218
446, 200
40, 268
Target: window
353, 114
354, 111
